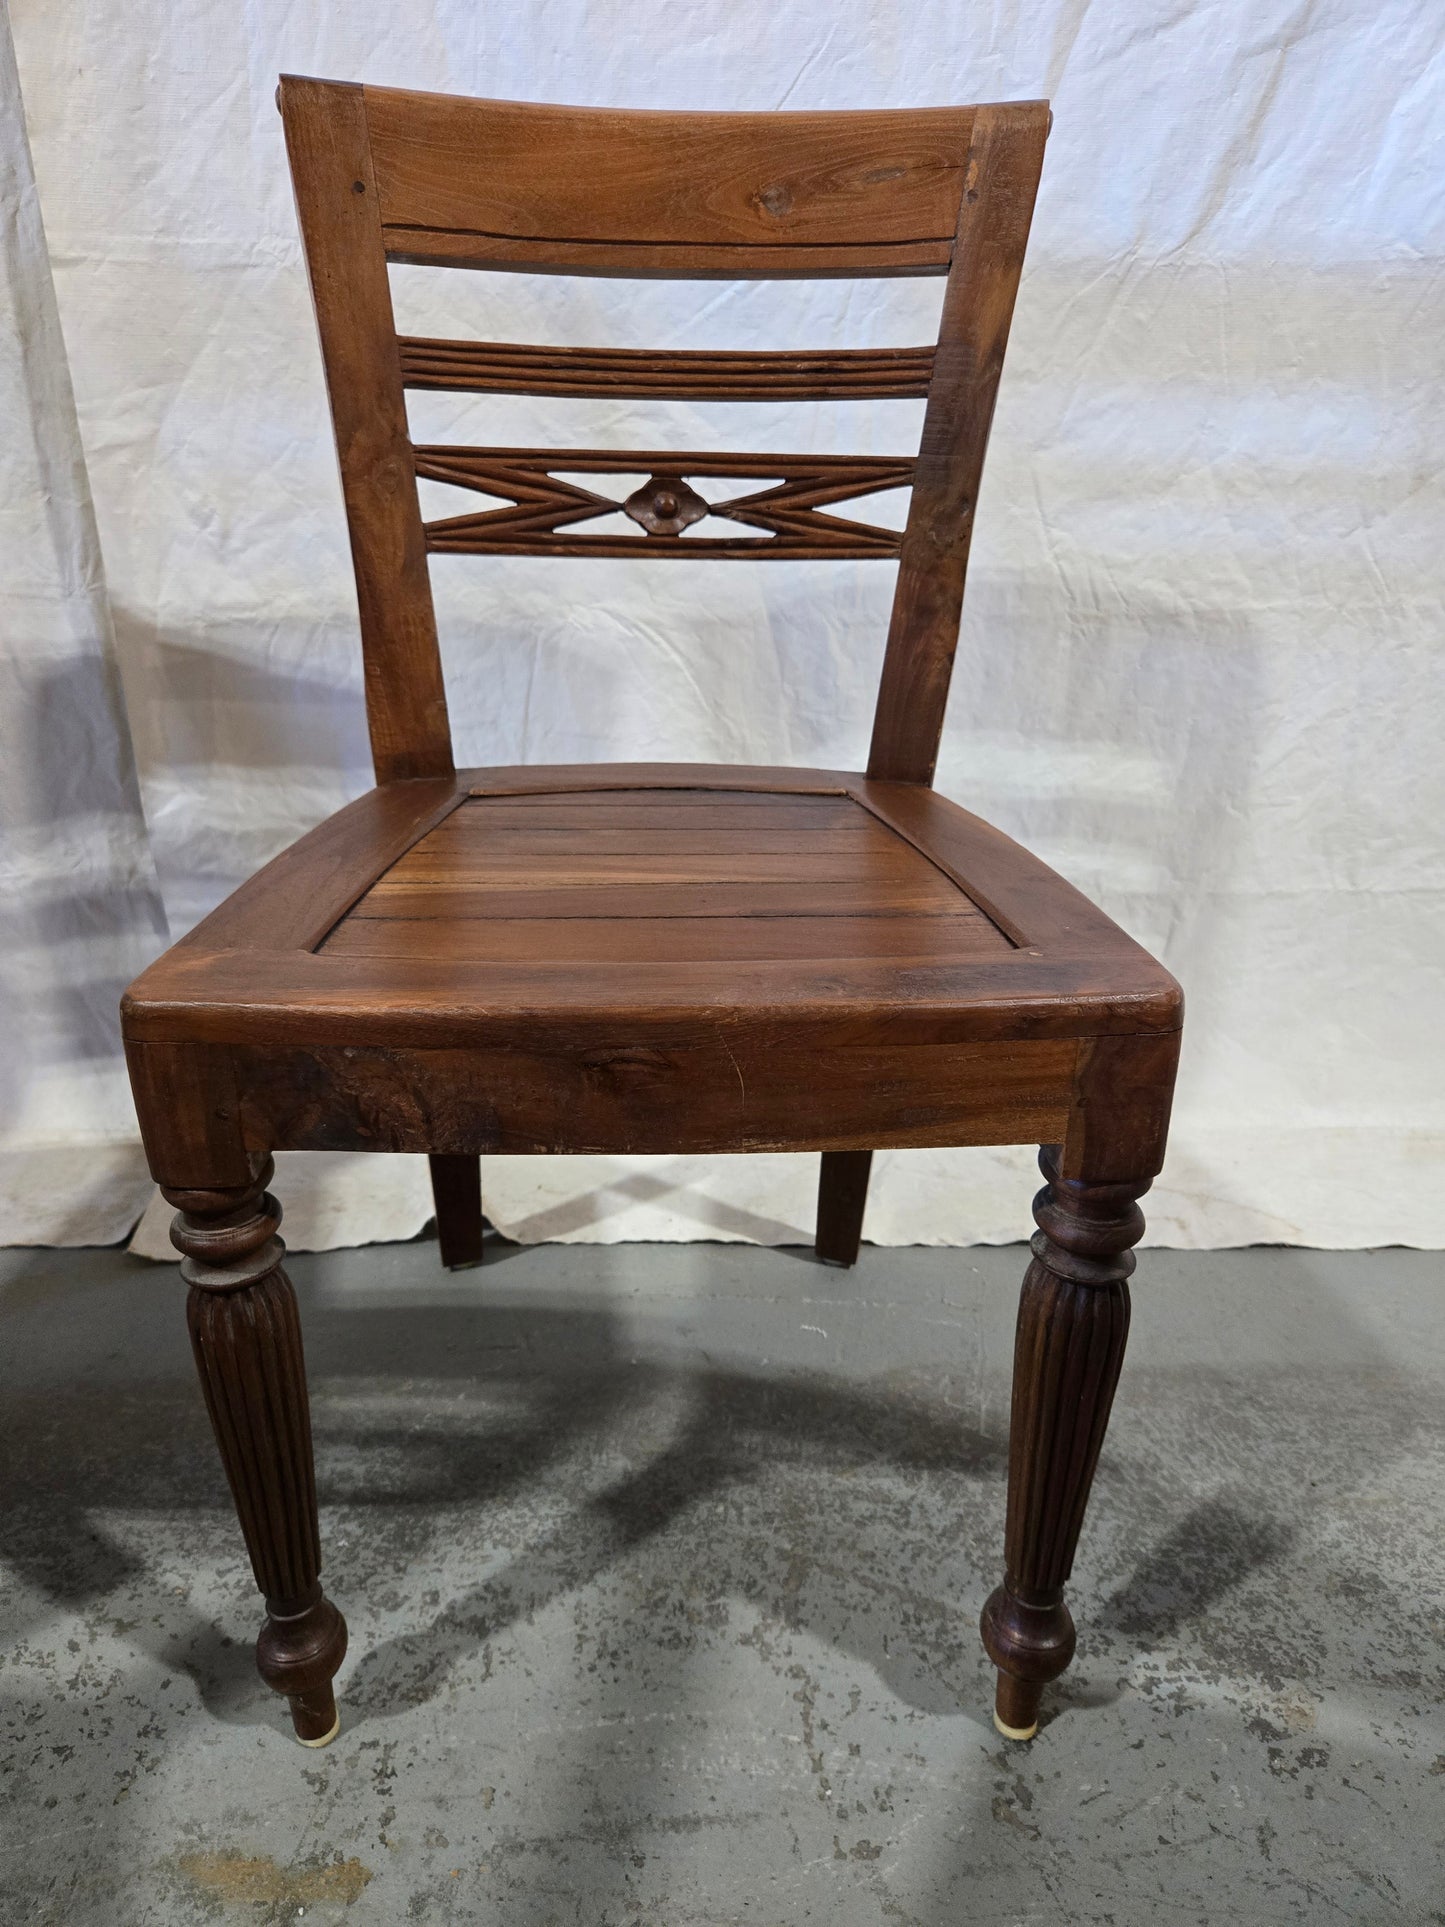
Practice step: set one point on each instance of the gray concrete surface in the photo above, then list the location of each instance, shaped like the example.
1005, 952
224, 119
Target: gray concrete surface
662, 1567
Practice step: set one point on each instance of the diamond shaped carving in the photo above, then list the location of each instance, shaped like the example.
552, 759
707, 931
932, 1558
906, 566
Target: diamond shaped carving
787, 518
665, 505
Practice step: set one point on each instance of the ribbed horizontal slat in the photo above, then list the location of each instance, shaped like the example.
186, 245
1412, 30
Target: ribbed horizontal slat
510, 368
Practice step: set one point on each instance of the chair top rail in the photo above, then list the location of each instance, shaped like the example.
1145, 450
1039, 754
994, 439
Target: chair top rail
511, 184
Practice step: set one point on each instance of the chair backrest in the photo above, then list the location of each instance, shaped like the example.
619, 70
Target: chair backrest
382, 175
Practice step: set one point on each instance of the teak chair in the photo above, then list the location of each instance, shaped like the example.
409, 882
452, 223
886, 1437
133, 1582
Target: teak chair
654, 957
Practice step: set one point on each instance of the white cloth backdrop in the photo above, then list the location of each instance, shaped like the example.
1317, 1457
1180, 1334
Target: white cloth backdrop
79, 906
1200, 668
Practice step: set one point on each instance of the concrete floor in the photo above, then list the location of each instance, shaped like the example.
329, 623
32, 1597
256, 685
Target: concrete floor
662, 1567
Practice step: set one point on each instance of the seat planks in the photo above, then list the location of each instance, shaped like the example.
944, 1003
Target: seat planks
665, 876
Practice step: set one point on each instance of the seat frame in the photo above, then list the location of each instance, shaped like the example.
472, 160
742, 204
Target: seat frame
249, 1036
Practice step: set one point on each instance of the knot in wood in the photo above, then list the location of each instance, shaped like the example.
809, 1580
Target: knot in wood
625, 1065
665, 505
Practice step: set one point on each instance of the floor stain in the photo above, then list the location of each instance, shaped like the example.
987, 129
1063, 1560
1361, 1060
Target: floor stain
244, 1879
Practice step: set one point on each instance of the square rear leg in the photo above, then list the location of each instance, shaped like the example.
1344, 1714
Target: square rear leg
842, 1198
456, 1187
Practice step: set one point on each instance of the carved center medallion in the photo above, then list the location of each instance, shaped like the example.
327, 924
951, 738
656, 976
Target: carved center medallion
665, 505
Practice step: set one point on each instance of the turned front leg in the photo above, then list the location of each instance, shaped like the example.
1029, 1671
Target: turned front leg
1073, 1321
246, 1335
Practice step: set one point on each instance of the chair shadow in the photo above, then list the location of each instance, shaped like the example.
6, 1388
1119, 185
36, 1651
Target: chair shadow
541, 1383
1210, 1552
547, 1383
1213, 1549
738, 1422
646, 1187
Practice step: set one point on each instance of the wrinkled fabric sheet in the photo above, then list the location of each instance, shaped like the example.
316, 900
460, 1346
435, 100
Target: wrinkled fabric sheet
80, 910
1200, 663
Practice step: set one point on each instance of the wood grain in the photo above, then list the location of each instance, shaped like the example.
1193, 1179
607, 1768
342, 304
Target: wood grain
545, 510
670, 816
512, 170
246, 1339
1072, 1326
1004, 163
1054, 964
469, 869
336, 205
911, 937
512, 368
724, 1091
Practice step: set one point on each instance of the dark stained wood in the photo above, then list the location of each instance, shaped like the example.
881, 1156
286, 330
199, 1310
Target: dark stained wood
663, 940
1124, 1091
1030, 902
993, 228
189, 1110
456, 1185
706, 1093
1054, 966
246, 1336
512, 368
336, 204
1031, 958
435, 1003
842, 1197
788, 512
519, 835
303, 891
651, 900
686, 784
457, 867
468, 869
813, 819
1073, 1323
654, 957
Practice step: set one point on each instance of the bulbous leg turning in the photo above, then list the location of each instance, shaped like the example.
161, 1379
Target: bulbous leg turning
1069, 1347
246, 1336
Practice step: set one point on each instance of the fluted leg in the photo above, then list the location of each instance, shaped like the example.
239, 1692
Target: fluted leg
246, 1336
1073, 1321
842, 1198
456, 1188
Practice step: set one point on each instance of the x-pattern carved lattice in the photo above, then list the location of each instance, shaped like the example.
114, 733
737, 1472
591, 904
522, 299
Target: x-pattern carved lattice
546, 510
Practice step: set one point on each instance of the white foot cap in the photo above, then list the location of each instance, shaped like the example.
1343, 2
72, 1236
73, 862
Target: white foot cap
327, 1738
1009, 1732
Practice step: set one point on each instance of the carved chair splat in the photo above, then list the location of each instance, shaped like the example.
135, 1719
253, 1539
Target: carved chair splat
654, 957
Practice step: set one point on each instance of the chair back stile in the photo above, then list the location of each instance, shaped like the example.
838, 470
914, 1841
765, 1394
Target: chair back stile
383, 175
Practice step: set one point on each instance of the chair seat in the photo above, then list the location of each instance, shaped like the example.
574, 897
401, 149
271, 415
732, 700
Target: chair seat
635, 928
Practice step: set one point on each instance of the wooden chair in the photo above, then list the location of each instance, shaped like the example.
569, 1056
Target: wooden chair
654, 957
